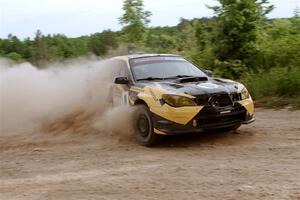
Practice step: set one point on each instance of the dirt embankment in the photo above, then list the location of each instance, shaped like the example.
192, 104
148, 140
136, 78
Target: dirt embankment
259, 161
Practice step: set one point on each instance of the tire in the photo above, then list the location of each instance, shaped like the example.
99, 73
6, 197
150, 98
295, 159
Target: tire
143, 127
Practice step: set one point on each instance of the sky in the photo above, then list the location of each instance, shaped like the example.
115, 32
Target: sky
83, 17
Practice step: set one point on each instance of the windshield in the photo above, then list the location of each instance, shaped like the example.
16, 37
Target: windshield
161, 67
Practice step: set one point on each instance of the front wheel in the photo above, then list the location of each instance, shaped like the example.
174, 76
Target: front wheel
144, 127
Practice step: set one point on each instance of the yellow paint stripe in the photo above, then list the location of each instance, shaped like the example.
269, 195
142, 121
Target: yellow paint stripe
248, 104
159, 132
135, 90
186, 95
130, 100
180, 115
120, 87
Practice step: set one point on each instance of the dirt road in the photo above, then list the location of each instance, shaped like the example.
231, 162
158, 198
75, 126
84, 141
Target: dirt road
259, 161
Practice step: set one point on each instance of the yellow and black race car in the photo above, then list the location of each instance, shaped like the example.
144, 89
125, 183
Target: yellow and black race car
176, 97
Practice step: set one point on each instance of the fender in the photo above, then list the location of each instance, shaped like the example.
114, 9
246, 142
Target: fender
180, 115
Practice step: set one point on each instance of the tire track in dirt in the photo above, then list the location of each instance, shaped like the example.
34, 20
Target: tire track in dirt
259, 161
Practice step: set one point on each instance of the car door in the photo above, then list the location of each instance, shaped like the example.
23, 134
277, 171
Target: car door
120, 91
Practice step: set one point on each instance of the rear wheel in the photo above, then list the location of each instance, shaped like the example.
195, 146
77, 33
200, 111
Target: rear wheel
144, 127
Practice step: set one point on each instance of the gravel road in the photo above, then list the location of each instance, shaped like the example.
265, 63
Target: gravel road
259, 161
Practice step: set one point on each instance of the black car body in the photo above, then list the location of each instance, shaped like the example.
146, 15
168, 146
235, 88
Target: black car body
177, 97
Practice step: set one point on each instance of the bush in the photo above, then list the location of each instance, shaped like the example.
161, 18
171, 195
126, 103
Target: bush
232, 69
14, 56
280, 82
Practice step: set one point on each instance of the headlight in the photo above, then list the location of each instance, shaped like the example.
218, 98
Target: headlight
245, 94
178, 101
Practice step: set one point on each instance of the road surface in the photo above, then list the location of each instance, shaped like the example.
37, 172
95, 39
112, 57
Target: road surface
259, 161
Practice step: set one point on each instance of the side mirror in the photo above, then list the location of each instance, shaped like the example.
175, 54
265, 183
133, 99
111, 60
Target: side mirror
121, 80
208, 72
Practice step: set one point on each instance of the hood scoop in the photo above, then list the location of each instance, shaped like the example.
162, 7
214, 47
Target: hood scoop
191, 79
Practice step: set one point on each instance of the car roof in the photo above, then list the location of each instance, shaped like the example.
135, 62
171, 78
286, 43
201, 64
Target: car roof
149, 55
132, 56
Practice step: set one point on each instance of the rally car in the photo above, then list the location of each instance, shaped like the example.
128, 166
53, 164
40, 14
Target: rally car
173, 96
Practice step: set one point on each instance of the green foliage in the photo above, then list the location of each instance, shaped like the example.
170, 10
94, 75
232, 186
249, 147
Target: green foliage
52, 48
101, 43
11, 44
161, 39
161, 43
203, 53
239, 43
276, 82
185, 39
231, 69
279, 44
134, 20
40, 50
14, 56
238, 23
281, 52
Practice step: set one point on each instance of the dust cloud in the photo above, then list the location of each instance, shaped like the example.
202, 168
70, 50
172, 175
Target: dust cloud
72, 96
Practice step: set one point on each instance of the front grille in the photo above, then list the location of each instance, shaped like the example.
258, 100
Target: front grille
219, 100
210, 115
236, 96
202, 100
223, 119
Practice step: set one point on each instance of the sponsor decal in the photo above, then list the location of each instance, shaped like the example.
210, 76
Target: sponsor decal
208, 85
225, 112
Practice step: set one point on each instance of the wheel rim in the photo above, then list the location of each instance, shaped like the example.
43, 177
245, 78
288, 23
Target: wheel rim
143, 125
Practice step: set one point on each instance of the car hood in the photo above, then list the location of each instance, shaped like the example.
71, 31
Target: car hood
210, 86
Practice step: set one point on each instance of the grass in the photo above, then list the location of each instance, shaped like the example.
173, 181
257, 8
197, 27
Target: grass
277, 88
278, 103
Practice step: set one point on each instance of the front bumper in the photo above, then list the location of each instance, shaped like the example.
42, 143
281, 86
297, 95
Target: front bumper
209, 118
249, 121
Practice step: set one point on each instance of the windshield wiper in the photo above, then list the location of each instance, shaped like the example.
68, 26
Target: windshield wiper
173, 77
193, 79
150, 79
187, 78
179, 76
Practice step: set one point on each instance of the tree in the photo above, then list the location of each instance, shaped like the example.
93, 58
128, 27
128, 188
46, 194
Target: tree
238, 25
202, 54
296, 21
101, 43
12, 44
27, 51
161, 39
40, 50
14, 56
135, 20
